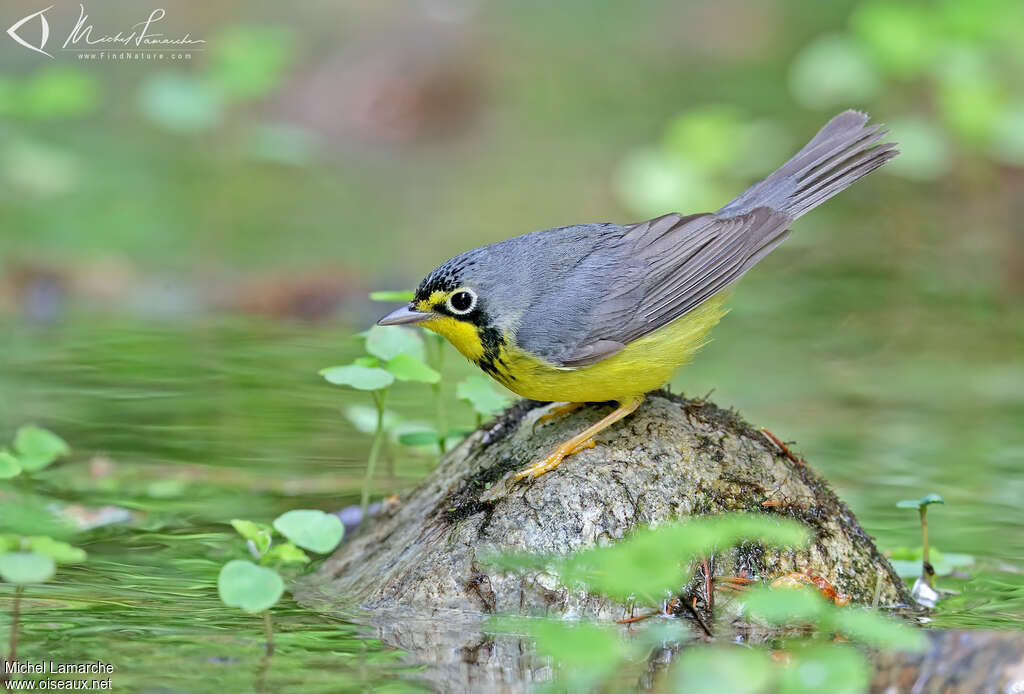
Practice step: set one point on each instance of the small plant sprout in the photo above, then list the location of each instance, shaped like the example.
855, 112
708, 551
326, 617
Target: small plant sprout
28, 560
257, 586
34, 448
922, 504
435, 359
393, 353
481, 396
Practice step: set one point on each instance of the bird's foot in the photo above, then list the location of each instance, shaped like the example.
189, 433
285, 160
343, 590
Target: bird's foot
554, 460
558, 411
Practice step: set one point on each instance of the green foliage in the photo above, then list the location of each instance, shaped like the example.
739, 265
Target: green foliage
405, 367
257, 587
313, 530
60, 552
481, 396
358, 377
926, 500
248, 586
721, 669
181, 103
249, 62
9, 465
402, 296
51, 93
24, 568
34, 449
832, 72
652, 563
257, 533
907, 561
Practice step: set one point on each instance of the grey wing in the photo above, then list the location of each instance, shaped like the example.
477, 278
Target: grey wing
665, 268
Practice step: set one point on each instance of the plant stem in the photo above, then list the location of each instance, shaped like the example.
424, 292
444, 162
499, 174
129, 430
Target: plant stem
379, 399
12, 647
268, 631
437, 363
925, 556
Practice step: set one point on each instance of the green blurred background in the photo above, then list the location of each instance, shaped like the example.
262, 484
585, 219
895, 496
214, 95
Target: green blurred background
184, 243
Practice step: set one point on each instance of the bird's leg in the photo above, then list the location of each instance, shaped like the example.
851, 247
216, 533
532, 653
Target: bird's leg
582, 440
559, 411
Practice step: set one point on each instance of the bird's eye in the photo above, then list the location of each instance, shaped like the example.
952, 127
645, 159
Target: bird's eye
462, 301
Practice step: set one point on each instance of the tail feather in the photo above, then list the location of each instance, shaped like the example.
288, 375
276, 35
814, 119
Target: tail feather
842, 152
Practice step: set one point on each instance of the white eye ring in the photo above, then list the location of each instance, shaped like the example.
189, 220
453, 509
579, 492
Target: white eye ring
450, 303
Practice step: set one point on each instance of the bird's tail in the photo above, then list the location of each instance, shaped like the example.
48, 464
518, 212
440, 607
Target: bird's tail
841, 153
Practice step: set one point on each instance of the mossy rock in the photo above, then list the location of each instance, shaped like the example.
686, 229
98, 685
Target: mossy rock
673, 458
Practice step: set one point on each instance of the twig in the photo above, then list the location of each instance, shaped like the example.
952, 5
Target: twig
797, 460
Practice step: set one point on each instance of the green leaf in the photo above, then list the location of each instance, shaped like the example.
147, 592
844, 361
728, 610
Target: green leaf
248, 586
287, 553
725, 670
180, 102
419, 438
477, 391
257, 533
405, 367
9, 466
926, 500
786, 605
650, 563
708, 137
250, 61
388, 341
60, 552
366, 361
359, 377
925, 154
36, 447
899, 37
23, 568
310, 529
399, 296
836, 668
364, 418
875, 630
832, 71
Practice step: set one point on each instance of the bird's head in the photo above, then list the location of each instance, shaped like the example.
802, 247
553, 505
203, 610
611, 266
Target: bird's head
465, 300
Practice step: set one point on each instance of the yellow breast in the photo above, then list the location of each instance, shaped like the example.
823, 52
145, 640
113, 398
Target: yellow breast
644, 365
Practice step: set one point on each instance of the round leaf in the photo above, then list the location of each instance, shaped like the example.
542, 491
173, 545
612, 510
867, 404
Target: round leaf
926, 500
37, 447
406, 367
419, 438
477, 391
287, 554
831, 71
359, 377
313, 530
23, 568
387, 342
875, 630
60, 552
252, 588
257, 533
731, 669
9, 466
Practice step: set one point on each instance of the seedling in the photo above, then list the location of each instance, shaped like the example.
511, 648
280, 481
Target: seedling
393, 353
29, 560
255, 587
481, 396
922, 504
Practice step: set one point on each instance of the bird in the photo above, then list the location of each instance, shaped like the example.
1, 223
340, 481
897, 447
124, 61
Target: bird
604, 312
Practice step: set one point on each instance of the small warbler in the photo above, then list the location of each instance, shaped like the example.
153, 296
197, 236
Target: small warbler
598, 312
